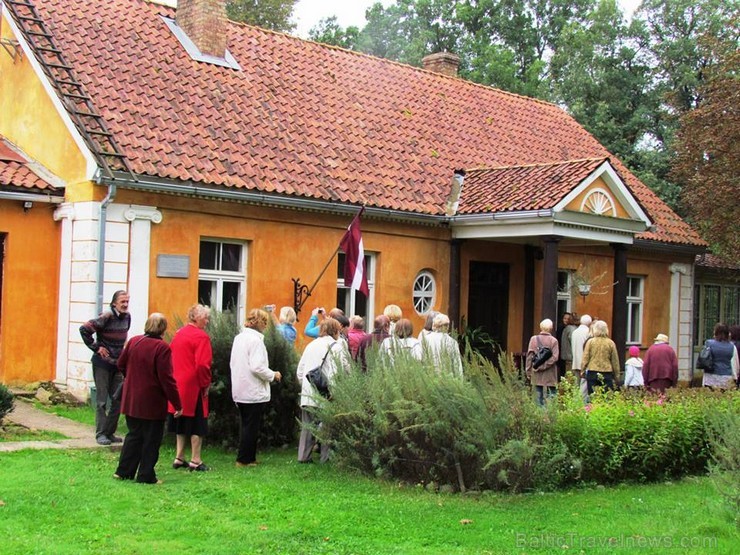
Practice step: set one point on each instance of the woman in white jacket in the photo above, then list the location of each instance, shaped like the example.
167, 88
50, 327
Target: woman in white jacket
333, 352
250, 383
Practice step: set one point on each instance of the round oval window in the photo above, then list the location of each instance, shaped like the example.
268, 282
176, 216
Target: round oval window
424, 292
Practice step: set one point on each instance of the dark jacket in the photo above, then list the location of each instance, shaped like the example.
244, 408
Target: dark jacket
660, 363
146, 363
110, 330
722, 353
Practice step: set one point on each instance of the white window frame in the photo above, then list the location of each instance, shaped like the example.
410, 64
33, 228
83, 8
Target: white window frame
634, 328
424, 291
350, 296
566, 294
223, 276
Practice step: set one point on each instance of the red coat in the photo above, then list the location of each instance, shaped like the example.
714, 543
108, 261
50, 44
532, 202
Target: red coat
191, 358
147, 364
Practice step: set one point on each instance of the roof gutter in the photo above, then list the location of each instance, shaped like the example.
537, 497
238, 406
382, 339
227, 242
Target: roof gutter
277, 201
32, 197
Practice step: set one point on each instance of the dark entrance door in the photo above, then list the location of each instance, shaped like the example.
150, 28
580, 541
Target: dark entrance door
488, 303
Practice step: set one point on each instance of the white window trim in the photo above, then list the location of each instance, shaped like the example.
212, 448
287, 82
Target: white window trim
350, 306
427, 296
640, 301
227, 276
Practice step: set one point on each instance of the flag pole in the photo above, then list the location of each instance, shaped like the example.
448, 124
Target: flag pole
301, 293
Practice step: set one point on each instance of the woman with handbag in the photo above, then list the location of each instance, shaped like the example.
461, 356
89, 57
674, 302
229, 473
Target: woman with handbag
542, 358
329, 354
724, 371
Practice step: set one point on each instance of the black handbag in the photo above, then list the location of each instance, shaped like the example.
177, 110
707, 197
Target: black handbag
542, 355
318, 379
705, 360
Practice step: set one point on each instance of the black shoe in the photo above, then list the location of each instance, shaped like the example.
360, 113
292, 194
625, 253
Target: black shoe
179, 463
102, 440
308, 461
115, 439
200, 467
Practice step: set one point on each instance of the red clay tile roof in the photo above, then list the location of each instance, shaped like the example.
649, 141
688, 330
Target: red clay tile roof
308, 120
513, 188
16, 175
714, 262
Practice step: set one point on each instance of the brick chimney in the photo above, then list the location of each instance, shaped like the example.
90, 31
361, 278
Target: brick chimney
445, 63
204, 22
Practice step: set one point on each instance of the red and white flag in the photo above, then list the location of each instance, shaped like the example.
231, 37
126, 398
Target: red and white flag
355, 272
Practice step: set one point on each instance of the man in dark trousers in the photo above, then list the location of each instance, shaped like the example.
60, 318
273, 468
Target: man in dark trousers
109, 330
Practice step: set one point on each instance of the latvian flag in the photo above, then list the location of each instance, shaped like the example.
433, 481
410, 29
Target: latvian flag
355, 273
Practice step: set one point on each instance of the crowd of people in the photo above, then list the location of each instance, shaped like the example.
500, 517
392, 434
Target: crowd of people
153, 383
581, 346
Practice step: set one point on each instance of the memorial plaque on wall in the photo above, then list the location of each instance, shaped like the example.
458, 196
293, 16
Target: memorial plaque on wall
173, 265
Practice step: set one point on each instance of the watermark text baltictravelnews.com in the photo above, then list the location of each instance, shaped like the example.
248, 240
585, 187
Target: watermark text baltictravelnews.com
577, 541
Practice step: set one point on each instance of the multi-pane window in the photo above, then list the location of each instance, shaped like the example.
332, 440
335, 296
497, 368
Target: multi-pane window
424, 292
635, 302
565, 299
222, 275
713, 304
354, 302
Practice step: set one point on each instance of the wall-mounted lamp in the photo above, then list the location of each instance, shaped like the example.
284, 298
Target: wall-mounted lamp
27, 205
584, 289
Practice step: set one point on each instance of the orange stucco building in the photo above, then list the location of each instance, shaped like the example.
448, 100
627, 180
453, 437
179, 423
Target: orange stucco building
223, 174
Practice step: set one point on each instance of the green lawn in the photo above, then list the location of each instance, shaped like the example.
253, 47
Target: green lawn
84, 413
14, 432
67, 502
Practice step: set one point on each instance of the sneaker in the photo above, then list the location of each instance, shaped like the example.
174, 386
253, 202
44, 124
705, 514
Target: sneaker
115, 439
102, 440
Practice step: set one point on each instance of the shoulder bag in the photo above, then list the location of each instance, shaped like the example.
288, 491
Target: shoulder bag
318, 379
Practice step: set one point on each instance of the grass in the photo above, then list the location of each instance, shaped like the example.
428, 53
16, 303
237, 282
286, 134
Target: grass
83, 413
66, 502
14, 432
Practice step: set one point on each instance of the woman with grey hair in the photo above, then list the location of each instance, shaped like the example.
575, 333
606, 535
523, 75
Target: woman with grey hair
191, 359
545, 376
146, 363
441, 350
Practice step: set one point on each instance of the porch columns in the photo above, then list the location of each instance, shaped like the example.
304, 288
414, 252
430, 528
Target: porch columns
530, 253
619, 301
550, 278
454, 295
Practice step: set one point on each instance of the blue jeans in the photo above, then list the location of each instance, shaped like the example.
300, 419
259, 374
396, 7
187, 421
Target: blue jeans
551, 392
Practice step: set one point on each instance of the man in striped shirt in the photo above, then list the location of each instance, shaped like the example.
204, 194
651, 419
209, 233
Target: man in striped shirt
109, 330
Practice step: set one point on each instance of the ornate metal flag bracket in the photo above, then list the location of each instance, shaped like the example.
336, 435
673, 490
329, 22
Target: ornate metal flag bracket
301, 293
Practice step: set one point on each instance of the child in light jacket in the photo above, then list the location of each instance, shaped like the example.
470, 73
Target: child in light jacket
633, 369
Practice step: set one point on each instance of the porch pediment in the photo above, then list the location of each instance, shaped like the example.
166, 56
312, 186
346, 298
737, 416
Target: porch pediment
581, 199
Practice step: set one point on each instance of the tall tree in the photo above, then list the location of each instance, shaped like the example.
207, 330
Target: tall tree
601, 76
328, 31
707, 159
268, 14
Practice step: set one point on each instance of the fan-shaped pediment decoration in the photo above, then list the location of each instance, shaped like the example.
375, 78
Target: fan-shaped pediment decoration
599, 202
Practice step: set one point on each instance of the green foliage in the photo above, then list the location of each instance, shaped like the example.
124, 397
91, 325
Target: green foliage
724, 439
279, 425
638, 436
406, 420
328, 31
268, 14
7, 401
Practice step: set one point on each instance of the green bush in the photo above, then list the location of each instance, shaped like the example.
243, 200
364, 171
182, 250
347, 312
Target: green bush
280, 422
724, 439
7, 401
408, 421
639, 436
405, 420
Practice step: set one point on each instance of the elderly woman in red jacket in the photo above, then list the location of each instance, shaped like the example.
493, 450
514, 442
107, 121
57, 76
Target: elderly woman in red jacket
146, 363
191, 359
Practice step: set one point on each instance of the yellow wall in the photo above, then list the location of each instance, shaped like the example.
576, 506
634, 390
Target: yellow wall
29, 119
28, 309
284, 244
